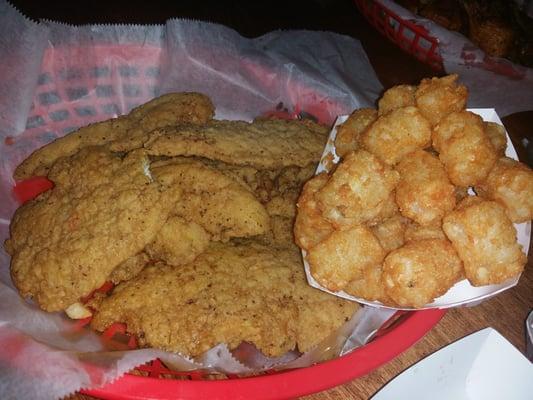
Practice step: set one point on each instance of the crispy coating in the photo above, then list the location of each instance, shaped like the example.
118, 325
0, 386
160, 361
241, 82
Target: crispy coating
178, 242
391, 232
420, 271
220, 205
66, 242
464, 148
511, 184
497, 137
394, 135
485, 239
343, 257
229, 294
310, 227
129, 268
415, 232
266, 144
396, 97
349, 133
168, 109
358, 190
370, 286
424, 193
438, 97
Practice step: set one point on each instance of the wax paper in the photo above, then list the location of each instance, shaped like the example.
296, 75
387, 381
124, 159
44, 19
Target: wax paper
56, 78
492, 82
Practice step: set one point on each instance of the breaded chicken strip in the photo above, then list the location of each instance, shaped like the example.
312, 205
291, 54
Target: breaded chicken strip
511, 184
66, 242
229, 294
220, 205
358, 190
349, 133
485, 239
396, 97
438, 97
128, 130
394, 135
265, 144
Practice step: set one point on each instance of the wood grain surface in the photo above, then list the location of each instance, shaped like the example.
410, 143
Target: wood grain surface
506, 312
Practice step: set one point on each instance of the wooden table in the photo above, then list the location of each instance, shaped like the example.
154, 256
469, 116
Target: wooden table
506, 312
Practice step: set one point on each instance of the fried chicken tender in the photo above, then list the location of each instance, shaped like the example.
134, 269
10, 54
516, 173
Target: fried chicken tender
229, 294
391, 232
424, 193
394, 135
169, 109
358, 190
497, 137
349, 133
510, 183
420, 271
266, 144
396, 97
485, 239
130, 268
464, 148
67, 241
220, 205
438, 97
178, 242
310, 227
343, 257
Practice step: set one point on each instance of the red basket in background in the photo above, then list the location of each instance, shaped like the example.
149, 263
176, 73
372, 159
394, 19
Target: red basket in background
412, 38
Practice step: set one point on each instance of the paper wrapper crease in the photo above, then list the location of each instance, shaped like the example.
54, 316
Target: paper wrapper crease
56, 78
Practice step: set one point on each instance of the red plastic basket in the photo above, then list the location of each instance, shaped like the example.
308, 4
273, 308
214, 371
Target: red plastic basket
412, 38
43, 125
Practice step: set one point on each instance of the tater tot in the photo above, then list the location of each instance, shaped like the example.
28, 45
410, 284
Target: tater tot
391, 232
424, 193
438, 97
418, 272
349, 133
396, 134
343, 257
396, 97
370, 286
310, 227
510, 183
414, 232
464, 148
497, 137
485, 239
357, 191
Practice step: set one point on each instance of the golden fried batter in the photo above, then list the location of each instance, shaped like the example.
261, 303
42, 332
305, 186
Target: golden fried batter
511, 184
396, 97
172, 108
178, 242
130, 268
220, 205
66, 242
485, 239
464, 148
343, 256
438, 97
310, 227
349, 133
394, 135
424, 193
229, 294
358, 190
266, 144
420, 271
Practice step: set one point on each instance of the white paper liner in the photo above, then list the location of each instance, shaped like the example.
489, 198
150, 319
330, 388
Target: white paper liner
462, 293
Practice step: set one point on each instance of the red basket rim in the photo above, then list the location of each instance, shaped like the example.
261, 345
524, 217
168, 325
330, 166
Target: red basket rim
282, 385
